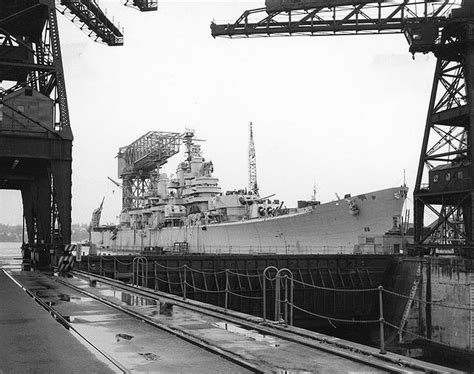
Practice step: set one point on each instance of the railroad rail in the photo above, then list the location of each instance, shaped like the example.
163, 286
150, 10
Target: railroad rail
370, 357
116, 365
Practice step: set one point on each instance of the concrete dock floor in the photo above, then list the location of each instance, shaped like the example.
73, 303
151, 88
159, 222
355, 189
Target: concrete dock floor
137, 346
33, 342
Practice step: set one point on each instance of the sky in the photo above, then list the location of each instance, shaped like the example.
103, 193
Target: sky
344, 113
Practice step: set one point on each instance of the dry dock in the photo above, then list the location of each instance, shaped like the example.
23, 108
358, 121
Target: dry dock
177, 336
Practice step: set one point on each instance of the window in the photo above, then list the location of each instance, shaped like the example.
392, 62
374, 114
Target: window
448, 177
435, 178
369, 240
460, 174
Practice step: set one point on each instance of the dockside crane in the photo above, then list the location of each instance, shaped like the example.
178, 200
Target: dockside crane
35, 129
445, 177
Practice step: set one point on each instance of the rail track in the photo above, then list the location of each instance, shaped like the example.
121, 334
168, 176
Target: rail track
334, 347
113, 363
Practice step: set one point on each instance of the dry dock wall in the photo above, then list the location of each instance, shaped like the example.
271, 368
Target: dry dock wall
324, 284
446, 291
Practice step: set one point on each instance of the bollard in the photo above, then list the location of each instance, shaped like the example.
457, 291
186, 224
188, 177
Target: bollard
382, 337
100, 265
115, 268
226, 303
154, 276
184, 283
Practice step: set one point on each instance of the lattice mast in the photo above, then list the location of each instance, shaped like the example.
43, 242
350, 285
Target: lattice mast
253, 186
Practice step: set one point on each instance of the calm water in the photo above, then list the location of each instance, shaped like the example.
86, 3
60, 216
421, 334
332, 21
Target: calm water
10, 255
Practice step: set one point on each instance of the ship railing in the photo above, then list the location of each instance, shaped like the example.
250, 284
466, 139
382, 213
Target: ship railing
275, 249
367, 249
283, 285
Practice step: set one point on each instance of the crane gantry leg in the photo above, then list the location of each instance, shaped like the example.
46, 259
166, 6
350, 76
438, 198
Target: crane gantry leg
35, 133
446, 159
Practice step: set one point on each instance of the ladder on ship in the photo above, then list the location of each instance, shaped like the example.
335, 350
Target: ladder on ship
410, 300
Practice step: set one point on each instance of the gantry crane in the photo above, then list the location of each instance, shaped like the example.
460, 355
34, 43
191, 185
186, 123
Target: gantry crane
139, 162
445, 178
35, 130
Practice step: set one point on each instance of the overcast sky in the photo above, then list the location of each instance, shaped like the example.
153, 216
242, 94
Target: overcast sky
346, 113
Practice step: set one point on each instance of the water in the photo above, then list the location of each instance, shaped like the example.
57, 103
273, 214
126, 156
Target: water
10, 256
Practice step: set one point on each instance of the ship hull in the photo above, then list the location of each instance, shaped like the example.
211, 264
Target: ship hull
327, 228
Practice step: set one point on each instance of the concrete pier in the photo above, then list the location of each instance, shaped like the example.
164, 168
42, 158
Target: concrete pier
33, 342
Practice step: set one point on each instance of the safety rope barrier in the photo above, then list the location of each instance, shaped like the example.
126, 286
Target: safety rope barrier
202, 290
283, 283
244, 296
168, 282
336, 289
169, 267
144, 277
245, 275
332, 318
410, 332
205, 272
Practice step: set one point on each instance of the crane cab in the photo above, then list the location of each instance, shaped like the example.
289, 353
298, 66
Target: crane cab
421, 36
450, 177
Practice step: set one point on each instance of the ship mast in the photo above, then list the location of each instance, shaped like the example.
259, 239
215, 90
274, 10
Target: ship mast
253, 187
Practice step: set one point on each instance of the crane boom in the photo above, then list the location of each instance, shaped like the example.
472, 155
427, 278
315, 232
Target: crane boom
88, 14
359, 18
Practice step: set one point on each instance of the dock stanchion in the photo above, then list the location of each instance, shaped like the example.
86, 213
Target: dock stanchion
100, 265
382, 322
115, 268
140, 271
226, 303
264, 290
155, 276
184, 282
288, 317
286, 299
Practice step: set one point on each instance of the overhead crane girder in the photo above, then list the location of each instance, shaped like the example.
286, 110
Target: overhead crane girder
445, 178
359, 18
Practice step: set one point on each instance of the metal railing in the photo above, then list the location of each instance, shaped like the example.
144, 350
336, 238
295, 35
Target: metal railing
284, 283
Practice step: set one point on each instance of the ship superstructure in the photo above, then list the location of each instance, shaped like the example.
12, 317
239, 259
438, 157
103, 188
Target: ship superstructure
189, 210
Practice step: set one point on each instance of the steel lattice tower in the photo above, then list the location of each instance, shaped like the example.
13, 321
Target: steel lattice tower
35, 130
253, 186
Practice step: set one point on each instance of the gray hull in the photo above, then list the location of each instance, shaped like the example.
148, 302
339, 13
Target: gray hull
327, 228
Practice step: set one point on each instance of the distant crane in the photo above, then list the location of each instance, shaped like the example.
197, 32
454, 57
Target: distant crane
445, 179
95, 220
253, 186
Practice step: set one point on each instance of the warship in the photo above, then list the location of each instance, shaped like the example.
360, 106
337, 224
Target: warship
189, 212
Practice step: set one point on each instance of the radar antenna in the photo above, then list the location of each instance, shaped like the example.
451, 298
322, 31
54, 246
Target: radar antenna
253, 187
